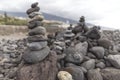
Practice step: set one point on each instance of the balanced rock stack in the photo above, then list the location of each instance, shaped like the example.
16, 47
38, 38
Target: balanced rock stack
37, 42
39, 61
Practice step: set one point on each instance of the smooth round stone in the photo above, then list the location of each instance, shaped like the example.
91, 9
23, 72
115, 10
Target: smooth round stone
69, 33
100, 65
105, 43
37, 18
98, 51
34, 46
36, 9
32, 57
37, 31
33, 14
90, 64
34, 24
64, 75
36, 38
76, 73
34, 5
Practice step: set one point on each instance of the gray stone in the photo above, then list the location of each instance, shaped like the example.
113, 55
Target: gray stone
36, 38
35, 46
38, 17
36, 9
94, 75
72, 56
34, 5
105, 43
76, 73
34, 24
98, 52
114, 60
81, 48
110, 74
35, 56
91, 55
33, 14
37, 31
100, 65
90, 64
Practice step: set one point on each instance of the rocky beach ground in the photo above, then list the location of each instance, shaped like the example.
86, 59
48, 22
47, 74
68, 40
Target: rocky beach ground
12, 49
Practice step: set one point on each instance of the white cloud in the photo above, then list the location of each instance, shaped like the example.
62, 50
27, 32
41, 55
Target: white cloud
101, 12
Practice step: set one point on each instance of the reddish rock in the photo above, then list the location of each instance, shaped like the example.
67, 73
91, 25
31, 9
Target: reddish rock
44, 70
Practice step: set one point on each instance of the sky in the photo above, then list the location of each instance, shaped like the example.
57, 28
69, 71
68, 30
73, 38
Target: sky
99, 12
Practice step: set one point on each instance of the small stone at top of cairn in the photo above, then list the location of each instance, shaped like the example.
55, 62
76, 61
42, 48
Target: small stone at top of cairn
37, 42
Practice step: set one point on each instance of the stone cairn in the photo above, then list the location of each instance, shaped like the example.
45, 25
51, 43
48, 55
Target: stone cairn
38, 59
37, 42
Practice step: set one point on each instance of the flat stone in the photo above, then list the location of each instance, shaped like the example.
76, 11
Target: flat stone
34, 24
37, 18
36, 38
81, 48
98, 51
35, 46
114, 60
110, 74
36, 9
90, 64
34, 5
64, 75
94, 74
33, 14
35, 56
77, 73
37, 31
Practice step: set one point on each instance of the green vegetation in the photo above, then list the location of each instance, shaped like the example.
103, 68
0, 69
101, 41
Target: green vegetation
7, 20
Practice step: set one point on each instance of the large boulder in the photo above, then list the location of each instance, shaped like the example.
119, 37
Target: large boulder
35, 56
114, 60
45, 70
90, 64
76, 73
98, 51
94, 74
63, 75
110, 74
81, 48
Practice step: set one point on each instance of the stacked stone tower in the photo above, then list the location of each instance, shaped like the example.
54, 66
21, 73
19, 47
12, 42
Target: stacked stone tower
37, 42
